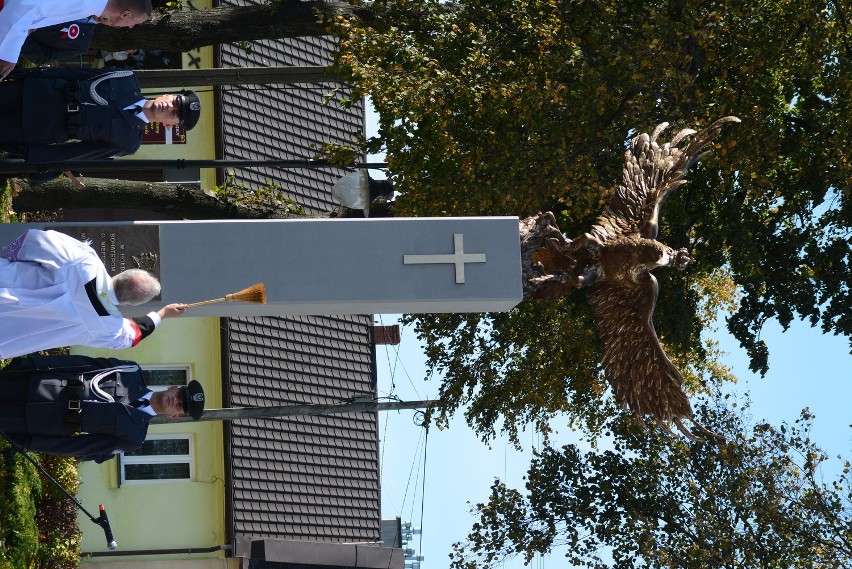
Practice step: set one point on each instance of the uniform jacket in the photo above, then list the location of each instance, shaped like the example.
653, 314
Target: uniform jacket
18, 17
108, 422
106, 130
59, 42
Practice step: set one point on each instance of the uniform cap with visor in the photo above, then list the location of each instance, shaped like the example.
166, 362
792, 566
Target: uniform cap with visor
189, 108
193, 399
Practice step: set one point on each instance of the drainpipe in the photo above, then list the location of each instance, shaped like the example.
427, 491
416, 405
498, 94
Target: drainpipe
185, 550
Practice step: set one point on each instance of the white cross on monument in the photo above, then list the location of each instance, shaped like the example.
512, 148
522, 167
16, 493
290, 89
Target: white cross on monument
458, 258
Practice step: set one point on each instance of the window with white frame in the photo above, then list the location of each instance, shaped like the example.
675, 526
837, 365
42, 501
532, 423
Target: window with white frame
161, 458
160, 377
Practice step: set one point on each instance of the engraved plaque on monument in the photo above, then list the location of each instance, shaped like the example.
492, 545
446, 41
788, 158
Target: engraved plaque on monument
120, 247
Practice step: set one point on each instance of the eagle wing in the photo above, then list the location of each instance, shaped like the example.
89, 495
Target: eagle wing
640, 372
651, 172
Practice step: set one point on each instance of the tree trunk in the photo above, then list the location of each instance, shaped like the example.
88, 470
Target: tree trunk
173, 200
186, 30
170, 199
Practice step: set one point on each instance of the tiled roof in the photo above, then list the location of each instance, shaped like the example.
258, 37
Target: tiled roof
287, 121
306, 477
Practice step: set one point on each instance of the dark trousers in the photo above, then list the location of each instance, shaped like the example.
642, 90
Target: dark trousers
11, 111
13, 401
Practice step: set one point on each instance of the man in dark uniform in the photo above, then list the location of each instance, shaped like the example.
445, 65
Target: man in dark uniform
62, 114
60, 42
90, 408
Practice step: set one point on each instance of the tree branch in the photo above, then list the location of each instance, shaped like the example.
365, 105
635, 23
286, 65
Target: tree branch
185, 30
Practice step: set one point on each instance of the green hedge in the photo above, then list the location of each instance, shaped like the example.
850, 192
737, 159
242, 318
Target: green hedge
38, 523
20, 488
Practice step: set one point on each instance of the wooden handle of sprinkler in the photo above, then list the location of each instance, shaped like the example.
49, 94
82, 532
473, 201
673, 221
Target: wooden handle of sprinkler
206, 302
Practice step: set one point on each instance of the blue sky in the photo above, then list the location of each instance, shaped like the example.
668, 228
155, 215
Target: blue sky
807, 369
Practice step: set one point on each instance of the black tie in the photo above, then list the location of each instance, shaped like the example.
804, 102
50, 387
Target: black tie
140, 403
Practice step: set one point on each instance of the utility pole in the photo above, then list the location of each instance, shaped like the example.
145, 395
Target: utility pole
162, 78
13, 166
236, 413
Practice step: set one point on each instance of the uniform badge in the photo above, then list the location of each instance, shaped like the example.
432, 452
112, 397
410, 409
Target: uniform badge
71, 32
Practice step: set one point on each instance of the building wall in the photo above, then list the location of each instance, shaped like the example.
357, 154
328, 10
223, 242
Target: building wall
168, 514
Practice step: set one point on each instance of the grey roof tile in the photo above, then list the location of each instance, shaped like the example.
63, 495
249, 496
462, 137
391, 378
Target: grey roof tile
287, 121
303, 477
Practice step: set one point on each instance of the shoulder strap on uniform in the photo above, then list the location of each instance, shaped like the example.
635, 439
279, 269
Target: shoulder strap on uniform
100, 78
96, 380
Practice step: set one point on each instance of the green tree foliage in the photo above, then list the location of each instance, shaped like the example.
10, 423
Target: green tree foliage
511, 106
756, 499
19, 482
519, 367
56, 516
38, 524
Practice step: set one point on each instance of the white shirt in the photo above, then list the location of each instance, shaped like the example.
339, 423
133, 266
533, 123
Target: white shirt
139, 114
147, 408
44, 304
18, 17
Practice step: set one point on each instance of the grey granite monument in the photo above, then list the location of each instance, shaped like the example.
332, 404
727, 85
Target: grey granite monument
325, 266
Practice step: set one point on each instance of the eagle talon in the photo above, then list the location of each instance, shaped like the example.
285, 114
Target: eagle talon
682, 259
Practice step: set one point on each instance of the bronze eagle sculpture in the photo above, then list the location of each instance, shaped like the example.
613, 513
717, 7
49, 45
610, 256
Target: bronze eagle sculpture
614, 261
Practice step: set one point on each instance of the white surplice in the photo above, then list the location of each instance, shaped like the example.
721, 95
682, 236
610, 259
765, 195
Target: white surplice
43, 300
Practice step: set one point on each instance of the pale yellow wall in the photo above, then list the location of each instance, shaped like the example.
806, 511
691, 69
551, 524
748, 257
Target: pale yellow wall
166, 514
201, 140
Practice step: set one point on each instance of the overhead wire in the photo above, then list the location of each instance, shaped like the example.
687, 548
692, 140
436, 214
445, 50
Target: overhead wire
418, 459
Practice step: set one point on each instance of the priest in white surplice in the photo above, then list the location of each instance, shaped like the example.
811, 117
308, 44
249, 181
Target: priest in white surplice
55, 291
